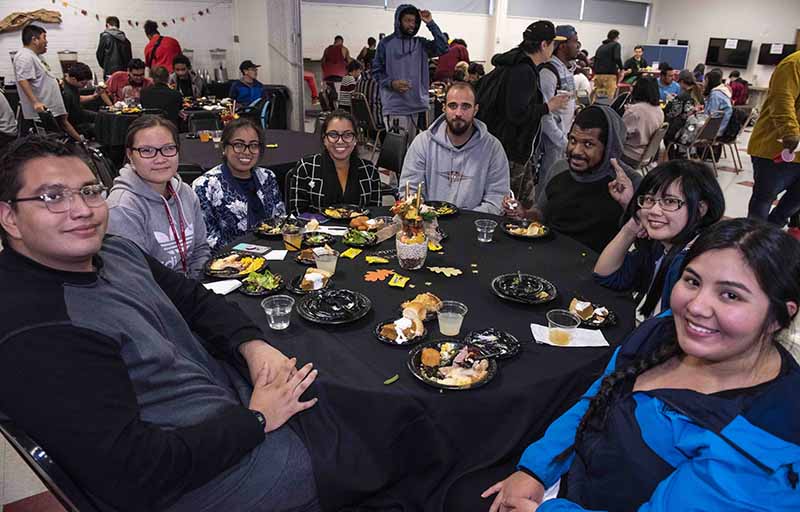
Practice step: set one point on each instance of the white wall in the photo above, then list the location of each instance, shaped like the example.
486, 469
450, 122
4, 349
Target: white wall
81, 33
763, 21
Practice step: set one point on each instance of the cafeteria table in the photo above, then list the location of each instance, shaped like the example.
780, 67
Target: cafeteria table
408, 446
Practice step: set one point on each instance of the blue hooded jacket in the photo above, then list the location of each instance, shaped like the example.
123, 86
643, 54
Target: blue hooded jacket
405, 57
675, 449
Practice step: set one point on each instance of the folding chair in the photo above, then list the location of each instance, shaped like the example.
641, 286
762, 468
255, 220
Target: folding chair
71, 497
706, 138
393, 152
618, 105
190, 172
650, 154
732, 144
363, 114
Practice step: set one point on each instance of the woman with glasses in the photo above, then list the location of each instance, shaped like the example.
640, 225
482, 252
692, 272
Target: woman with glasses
672, 205
150, 205
237, 195
337, 175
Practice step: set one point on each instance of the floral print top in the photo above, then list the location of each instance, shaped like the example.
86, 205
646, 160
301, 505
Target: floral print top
224, 203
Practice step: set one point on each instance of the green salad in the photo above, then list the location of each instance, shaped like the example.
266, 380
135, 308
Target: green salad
356, 237
256, 282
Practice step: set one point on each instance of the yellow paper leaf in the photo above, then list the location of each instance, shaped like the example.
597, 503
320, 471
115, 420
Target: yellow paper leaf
351, 253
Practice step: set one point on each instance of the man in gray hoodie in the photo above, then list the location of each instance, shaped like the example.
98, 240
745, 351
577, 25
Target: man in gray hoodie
457, 159
114, 49
577, 201
401, 67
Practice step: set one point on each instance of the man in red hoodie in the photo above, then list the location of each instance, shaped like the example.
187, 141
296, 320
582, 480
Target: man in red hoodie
447, 62
160, 50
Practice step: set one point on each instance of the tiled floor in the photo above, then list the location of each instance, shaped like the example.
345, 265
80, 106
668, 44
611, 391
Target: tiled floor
18, 482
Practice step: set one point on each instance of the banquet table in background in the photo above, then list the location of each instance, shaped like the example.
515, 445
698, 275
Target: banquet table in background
408, 446
291, 147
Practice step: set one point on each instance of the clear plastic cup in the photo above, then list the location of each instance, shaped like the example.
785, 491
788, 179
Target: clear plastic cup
327, 261
485, 229
292, 237
216, 136
205, 135
561, 325
279, 311
450, 316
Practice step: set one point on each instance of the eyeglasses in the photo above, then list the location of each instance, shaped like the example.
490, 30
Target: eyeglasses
253, 147
60, 200
347, 137
668, 204
168, 151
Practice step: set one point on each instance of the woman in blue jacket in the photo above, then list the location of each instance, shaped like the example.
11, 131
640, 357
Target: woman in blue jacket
718, 98
672, 205
697, 409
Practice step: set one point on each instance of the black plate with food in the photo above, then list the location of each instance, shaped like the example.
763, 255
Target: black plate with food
315, 239
356, 238
333, 307
597, 315
524, 229
386, 337
450, 364
344, 211
443, 208
260, 284
233, 264
524, 288
305, 257
294, 286
494, 343
269, 229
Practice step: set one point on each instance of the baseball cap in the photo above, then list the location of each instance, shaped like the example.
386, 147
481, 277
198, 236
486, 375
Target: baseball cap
686, 76
566, 31
247, 64
542, 30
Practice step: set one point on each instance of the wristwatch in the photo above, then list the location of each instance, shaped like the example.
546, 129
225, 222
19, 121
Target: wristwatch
261, 419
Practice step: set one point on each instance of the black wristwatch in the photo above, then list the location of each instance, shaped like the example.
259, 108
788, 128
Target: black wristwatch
261, 419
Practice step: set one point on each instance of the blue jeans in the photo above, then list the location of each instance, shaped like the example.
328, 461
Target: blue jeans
770, 180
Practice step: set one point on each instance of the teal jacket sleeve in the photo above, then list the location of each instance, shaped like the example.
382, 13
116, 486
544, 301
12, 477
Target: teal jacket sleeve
538, 459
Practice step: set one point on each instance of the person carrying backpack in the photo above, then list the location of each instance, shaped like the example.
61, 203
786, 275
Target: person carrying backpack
512, 105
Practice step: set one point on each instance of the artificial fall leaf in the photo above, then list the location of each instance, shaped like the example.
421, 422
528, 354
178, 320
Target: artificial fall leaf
433, 246
446, 271
377, 275
375, 260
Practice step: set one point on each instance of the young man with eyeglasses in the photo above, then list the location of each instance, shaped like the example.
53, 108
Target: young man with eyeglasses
457, 159
128, 84
238, 195
101, 360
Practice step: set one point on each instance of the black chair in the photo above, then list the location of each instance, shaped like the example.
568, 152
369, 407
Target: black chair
198, 121
101, 166
71, 497
46, 124
190, 172
706, 138
393, 152
618, 105
366, 123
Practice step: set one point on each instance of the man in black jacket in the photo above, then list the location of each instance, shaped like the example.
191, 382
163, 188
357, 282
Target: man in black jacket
162, 96
517, 114
114, 49
101, 360
608, 66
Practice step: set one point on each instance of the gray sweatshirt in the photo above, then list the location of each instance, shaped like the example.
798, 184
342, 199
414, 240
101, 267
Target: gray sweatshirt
142, 215
473, 177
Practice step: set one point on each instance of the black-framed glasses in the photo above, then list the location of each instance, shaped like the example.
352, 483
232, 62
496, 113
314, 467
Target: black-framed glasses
59, 200
239, 147
668, 204
167, 151
333, 137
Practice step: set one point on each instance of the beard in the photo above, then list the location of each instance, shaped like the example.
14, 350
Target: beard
458, 126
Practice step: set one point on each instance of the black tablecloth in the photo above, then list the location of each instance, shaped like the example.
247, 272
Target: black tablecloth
110, 128
404, 446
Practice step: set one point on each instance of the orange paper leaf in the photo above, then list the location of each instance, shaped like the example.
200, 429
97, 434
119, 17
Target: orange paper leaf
378, 275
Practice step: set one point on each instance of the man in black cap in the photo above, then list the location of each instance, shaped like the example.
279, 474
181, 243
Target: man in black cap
514, 115
247, 90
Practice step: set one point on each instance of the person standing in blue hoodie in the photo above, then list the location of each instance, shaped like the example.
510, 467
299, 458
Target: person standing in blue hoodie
401, 68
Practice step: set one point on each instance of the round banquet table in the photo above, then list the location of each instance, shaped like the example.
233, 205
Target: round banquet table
111, 127
408, 446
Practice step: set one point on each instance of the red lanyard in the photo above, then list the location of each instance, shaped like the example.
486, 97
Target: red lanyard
183, 250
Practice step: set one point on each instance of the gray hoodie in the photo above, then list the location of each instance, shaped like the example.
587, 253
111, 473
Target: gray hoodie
139, 213
473, 177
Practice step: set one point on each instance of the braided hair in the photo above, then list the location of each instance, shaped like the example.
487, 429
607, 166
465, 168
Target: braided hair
774, 258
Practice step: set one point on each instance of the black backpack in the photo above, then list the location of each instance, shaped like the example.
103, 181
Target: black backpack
550, 67
492, 105
738, 117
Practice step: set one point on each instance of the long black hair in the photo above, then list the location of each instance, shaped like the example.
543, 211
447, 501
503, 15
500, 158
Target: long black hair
698, 184
713, 79
646, 89
772, 255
